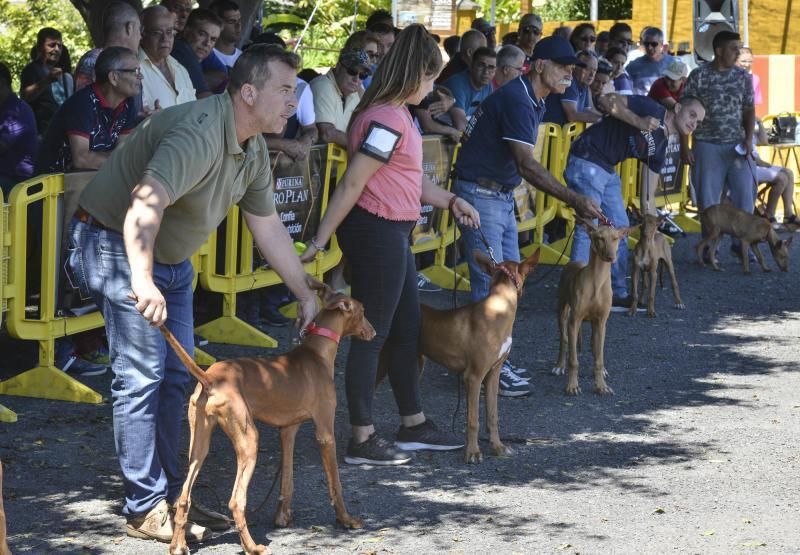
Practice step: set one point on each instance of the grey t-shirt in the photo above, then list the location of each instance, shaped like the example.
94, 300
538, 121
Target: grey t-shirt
726, 94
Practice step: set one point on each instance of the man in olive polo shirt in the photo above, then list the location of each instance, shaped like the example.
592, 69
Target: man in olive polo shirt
140, 219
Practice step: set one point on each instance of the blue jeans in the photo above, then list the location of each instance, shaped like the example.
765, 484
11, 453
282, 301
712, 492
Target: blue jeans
149, 385
499, 226
605, 189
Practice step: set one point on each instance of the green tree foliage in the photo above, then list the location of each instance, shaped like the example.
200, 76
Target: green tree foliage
332, 24
20, 21
578, 10
505, 11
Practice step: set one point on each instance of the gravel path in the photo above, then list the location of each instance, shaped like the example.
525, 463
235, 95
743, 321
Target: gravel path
696, 453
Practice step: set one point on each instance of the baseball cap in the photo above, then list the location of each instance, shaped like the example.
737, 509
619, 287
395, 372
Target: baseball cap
675, 70
556, 49
354, 59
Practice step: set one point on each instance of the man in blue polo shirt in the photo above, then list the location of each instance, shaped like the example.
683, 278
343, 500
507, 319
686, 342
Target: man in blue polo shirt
471, 86
497, 149
90, 124
636, 127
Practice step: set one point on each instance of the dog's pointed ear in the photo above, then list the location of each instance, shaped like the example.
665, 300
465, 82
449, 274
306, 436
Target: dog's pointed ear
623, 231
529, 264
322, 289
483, 261
345, 304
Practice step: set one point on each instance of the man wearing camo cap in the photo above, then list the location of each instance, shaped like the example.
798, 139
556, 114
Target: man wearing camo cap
336, 95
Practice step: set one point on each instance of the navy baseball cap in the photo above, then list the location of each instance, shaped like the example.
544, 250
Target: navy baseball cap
557, 49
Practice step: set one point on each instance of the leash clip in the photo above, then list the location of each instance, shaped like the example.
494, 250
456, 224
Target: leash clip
488, 247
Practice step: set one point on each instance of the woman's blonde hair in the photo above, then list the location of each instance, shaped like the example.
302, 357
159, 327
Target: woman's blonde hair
413, 56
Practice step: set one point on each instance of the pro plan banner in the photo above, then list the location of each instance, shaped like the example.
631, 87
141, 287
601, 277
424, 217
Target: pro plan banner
672, 170
297, 191
437, 153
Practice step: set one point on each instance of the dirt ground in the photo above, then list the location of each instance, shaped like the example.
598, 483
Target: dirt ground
696, 453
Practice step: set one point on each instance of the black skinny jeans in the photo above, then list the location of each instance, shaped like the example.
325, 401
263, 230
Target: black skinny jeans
384, 279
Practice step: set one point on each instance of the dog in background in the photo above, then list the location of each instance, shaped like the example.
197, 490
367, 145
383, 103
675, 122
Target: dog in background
584, 293
282, 391
652, 249
726, 219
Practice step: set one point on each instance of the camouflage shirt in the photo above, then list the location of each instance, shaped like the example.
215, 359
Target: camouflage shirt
726, 95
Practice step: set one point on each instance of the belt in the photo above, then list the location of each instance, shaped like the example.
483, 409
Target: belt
490, 184
83, 216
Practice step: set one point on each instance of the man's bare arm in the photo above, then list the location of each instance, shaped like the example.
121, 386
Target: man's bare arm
329, 134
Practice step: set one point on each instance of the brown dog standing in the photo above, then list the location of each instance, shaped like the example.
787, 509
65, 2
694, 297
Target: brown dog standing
650, 250
282, 391
4, 550
584, 293
726, 219
474, 340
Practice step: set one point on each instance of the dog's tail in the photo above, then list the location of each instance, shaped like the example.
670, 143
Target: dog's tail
188, 361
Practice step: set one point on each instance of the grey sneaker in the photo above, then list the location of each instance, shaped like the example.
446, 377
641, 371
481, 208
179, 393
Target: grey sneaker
427, 436
377, 451
158, 524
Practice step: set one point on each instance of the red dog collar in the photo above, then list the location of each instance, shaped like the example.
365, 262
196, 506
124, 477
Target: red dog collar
313, 329
511, 276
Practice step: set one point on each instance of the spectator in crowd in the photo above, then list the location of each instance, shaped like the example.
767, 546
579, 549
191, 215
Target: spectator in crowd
727, 92
745, 61
370, 43
433, 114
601, 46
575, 103
619, 77
379, 17
780, 183
583, 37
668, 89
471, 86
470, 42
530, 31
563, 31
121, 27
91, 123
638, 127
646, 69
601, 84
336, 95
375, 206
385, 34
182, 50
510, 38
510, 60
638, 50
165, 82
217, 66
43, 83
157, 202
620, 36
451, 46
201, 33
18, 139
496, 153
487, 30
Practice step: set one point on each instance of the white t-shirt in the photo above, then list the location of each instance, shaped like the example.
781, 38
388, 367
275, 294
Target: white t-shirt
305, 104
228, 59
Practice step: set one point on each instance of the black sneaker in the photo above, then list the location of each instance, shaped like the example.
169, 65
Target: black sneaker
425, 285
376, 450
522, 373
512, 385
200, 341
427, 436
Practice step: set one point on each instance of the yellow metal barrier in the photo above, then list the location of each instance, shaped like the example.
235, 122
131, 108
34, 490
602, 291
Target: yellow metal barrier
6, 414
238, 274
45, 381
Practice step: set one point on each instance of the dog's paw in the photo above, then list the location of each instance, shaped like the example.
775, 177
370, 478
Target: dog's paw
651, 313
473, 457
680, 306
557, 371
283, 519
603, 389
573, 390
767, 269
260, 549
502, 450
350, 522
632, 311
179, 550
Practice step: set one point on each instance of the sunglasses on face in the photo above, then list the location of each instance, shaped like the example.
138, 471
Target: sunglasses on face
588, 38
531, 29
354, 72
651, 44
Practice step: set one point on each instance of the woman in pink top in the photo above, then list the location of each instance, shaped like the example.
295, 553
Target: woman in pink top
375, 207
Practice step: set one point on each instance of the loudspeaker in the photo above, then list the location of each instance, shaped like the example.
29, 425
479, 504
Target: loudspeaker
711, 17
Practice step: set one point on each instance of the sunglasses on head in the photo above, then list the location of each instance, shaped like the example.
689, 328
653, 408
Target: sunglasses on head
531, 29
361, 74
651, 44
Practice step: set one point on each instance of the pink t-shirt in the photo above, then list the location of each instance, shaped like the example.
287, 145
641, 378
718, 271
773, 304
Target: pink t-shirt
395, 190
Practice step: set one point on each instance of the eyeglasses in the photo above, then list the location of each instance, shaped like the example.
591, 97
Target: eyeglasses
137, 71
519, 69
353, 72
531, 29
588, 38
652, 44
160, 33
